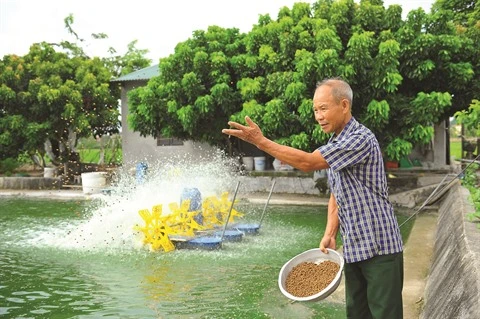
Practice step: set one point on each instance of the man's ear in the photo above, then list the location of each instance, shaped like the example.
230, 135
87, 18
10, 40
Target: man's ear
345, 105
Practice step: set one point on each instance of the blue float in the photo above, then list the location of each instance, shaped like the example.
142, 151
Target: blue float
207, 243
232, 235
247, 228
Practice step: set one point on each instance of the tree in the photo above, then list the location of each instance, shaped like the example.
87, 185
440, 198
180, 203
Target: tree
56, 99
16, 135
134, 59
406, 75
53, 97
195, 93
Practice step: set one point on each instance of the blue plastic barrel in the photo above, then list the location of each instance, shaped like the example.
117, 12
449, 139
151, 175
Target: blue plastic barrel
141, 172
195, 197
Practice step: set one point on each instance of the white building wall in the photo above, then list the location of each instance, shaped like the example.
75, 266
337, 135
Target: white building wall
144, 149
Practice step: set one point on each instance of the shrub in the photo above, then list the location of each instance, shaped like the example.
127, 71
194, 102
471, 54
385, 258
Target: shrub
471, 181
8, 166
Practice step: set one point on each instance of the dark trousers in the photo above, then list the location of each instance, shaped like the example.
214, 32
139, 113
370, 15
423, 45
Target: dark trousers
373, 287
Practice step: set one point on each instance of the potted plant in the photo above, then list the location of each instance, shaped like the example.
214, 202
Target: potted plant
397, 149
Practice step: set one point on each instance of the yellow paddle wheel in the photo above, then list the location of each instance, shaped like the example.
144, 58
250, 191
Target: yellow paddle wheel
156, 229
160, 229
211, 217
183, 221
215, 211
223, 208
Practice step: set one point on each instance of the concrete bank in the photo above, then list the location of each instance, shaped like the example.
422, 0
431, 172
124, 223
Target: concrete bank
453, 284
30, 183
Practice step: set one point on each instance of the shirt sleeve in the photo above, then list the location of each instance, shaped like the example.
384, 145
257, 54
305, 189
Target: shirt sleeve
345, 152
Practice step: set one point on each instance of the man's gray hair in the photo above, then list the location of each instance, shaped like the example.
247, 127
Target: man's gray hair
340, 89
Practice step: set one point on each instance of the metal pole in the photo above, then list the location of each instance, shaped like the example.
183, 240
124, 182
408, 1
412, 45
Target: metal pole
230, 211
266, 204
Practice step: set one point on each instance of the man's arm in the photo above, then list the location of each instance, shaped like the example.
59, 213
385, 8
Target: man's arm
299, 159
329, 237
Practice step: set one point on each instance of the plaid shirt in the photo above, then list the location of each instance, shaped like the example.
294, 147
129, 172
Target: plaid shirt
356, 176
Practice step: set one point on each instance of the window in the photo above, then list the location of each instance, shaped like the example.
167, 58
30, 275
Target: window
168, 141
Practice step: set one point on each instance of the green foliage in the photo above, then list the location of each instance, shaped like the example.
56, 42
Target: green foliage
131, 61
8, 166
377, 113
196, 91
470, 119
406, 75
420, 133
472, 183
105, 150
57, 97
56, 93
470, 177
397, 149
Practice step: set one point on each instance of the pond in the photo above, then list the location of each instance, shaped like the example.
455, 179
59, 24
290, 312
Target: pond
79, 259
83, 258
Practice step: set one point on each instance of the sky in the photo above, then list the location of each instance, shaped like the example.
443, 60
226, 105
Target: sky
158, 26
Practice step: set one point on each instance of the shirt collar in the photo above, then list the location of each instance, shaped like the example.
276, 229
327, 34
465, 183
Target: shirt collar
350, 127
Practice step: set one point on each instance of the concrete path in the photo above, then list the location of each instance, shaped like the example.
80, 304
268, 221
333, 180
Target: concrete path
417, 255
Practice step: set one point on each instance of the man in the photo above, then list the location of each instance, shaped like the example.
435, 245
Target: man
358, 205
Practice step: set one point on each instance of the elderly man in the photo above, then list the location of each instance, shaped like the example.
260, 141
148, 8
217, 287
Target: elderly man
358, 205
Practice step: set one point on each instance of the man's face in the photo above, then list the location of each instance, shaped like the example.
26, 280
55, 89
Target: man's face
330, 114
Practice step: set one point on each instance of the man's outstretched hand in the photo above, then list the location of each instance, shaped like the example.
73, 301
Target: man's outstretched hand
250, 133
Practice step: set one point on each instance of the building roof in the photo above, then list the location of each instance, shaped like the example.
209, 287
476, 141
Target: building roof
142, 74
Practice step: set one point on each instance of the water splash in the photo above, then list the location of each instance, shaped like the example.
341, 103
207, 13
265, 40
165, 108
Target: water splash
109, 223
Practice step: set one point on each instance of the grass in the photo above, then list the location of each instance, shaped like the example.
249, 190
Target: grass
455, 149
93, 156
89, 149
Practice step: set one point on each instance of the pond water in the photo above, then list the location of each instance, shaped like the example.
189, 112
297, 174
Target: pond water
82, 259
50, 271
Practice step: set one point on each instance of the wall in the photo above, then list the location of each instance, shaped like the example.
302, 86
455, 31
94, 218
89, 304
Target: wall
30, 183
453, 285
290, 185
144, 149
433, 154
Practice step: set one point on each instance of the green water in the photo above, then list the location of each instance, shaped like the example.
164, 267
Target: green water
50, 269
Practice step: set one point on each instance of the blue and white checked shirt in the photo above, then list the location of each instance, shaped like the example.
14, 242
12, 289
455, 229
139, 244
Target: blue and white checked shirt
368, 225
